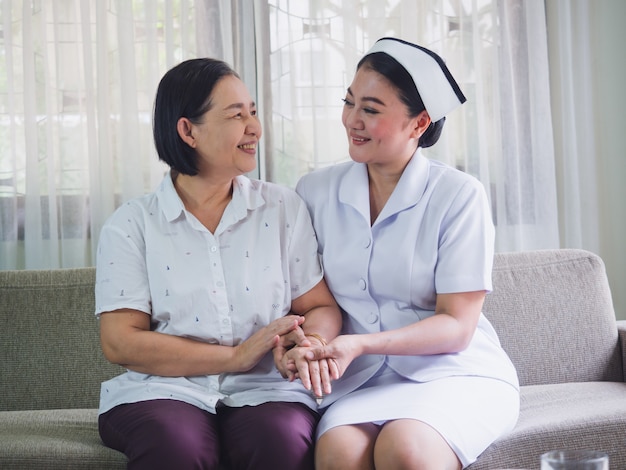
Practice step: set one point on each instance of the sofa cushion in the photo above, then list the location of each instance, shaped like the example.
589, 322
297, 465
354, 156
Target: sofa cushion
554, 316
49, 341
54, 439
589, 415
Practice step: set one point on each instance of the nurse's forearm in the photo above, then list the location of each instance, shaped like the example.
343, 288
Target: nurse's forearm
439, 334
449, 330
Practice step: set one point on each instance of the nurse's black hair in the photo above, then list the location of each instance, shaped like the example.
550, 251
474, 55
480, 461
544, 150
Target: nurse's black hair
184, 91
398, 76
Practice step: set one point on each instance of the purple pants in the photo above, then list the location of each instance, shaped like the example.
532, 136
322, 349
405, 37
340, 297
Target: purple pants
170, 434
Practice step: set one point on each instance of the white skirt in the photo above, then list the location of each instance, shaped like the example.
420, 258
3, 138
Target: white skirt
469, 412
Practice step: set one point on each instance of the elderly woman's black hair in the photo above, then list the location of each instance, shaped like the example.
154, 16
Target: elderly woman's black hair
184, 91
398, 76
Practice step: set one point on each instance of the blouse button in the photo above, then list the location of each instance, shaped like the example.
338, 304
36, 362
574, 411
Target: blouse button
372, 318
213, 249
362, 284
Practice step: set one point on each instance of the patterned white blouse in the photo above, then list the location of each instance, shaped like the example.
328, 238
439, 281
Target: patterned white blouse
220, 288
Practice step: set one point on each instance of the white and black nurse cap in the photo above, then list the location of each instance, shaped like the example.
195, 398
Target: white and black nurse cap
439, 91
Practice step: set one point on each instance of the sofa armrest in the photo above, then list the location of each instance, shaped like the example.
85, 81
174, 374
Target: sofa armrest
621, 331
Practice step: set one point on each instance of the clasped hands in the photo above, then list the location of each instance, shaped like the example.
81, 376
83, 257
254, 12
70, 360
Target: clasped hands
308, 358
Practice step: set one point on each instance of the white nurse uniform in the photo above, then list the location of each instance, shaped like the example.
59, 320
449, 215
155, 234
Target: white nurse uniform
434, 235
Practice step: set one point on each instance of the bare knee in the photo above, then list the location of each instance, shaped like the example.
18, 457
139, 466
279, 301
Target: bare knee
346, 448
410, 444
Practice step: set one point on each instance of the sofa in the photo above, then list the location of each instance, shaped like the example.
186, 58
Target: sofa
551, 308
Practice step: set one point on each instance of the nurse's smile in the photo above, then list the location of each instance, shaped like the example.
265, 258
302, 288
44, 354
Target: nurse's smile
357, 140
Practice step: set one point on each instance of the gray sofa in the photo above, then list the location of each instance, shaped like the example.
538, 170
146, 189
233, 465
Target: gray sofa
552, 310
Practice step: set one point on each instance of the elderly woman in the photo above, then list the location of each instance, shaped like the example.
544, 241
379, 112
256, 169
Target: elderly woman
197, 284
407, 247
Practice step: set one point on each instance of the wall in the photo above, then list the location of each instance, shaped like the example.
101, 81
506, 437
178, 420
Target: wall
586, 42
608, 27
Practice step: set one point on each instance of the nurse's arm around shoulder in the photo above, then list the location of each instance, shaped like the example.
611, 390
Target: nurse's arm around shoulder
449, 330
127, 340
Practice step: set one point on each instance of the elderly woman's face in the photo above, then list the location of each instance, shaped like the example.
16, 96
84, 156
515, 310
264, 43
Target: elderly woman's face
226, 139
377, 123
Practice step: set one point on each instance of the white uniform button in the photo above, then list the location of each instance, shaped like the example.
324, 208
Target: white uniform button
362, 284
372, 318
213, 249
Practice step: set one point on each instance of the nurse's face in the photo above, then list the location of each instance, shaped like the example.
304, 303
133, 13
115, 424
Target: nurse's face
377, 123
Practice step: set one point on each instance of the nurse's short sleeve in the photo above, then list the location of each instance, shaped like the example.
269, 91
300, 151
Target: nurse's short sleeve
121, 277
466, 242
305, 270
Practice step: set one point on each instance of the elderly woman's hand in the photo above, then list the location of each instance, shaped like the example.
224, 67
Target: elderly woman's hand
252, 350
287, 341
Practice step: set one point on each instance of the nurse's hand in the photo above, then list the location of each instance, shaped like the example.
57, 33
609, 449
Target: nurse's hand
340, 352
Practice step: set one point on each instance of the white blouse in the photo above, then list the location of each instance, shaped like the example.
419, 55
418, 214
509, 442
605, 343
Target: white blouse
220, 288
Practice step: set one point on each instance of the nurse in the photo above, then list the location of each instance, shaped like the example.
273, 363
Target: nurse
407, 247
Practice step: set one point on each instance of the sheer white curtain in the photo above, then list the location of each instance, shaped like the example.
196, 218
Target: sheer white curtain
497, 50
77, 83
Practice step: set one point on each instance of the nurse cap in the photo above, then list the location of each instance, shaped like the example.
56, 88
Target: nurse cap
439, 91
